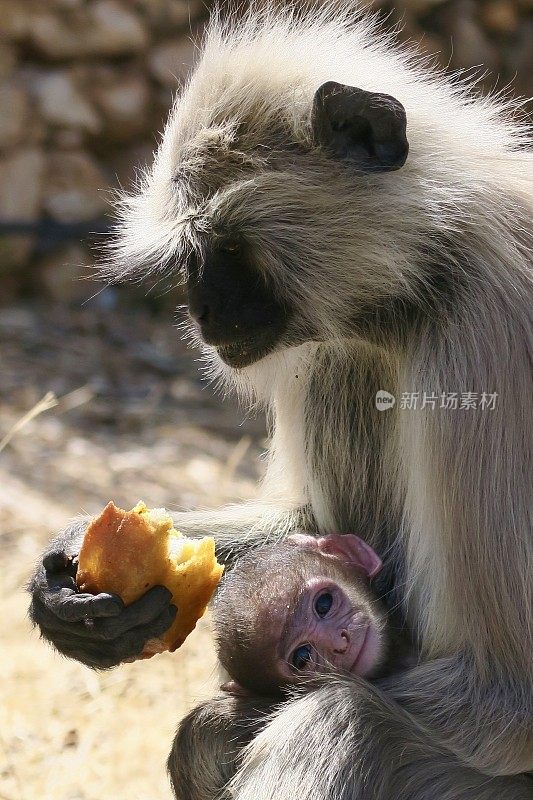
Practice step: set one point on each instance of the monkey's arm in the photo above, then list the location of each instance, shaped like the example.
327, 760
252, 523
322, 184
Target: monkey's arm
237, 528
96, 629
487, 721
207, 749
357, 736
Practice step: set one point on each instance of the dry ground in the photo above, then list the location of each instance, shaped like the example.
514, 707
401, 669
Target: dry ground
135, 421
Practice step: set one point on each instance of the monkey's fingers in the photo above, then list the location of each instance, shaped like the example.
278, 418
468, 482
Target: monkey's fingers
102, 630
95, 641
55, 561
131, 644
141, 614
62, 598
103, 653
70, 606
58, 561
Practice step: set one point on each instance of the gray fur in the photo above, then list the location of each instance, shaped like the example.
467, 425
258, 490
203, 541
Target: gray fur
208, 746
349, 740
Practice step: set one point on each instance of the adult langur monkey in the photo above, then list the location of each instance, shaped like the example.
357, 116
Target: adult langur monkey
323, 263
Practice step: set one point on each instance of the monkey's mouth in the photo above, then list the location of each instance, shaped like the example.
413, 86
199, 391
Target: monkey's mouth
246, 351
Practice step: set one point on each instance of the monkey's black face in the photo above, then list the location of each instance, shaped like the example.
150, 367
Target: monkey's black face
233, 305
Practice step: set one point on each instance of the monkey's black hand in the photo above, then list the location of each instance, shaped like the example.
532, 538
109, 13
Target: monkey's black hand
94, 629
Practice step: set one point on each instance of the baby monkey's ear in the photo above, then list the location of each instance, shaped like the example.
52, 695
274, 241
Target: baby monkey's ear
353, 550
346, 546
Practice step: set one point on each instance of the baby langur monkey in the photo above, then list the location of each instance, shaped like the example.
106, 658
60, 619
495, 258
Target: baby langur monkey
290, 611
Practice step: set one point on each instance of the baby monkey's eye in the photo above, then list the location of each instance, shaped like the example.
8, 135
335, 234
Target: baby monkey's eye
323, 603
301, 657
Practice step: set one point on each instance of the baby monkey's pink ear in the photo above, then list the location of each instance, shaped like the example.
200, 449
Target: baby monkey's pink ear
353, 550
346, 546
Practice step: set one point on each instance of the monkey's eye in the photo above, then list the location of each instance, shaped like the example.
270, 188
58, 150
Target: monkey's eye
323, 603
301, 657
230, 246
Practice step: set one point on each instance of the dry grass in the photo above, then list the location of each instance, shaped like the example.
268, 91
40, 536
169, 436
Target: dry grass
67, 733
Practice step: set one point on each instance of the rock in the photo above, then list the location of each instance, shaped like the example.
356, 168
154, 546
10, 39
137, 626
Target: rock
53, 38
520, 59
103, 28
21, 177
123, 102
36, 129
421, 6
64, 274
62, 104
17, 319
180, 14
471, 47
15, 19
21, 181
8, 59
115, 30
500, 16
15, 252
171, 62
170, 15
74, 187
68, 139
13, 113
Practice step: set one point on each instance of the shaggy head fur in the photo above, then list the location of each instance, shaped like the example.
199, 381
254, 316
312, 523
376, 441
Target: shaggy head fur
238, 158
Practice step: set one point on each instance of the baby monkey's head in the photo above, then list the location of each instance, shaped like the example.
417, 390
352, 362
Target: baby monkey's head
289, 611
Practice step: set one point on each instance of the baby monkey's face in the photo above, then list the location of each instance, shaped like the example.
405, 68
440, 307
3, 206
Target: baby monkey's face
329, 629
290, 611
335, 623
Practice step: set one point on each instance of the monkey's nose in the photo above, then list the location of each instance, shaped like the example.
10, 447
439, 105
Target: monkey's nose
342, 645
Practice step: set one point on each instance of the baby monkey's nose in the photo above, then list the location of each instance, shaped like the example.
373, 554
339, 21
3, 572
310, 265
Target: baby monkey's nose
342, 645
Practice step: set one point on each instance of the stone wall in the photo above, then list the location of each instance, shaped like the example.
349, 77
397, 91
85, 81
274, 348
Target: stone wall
84, 87
86, 84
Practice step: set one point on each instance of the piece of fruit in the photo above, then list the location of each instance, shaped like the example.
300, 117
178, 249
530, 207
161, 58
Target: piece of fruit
128, 552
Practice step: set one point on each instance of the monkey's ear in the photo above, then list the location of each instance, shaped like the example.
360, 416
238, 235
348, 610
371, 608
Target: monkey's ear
366, 128
350, 548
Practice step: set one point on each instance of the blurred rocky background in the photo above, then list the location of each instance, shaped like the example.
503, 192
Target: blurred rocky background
85, 86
